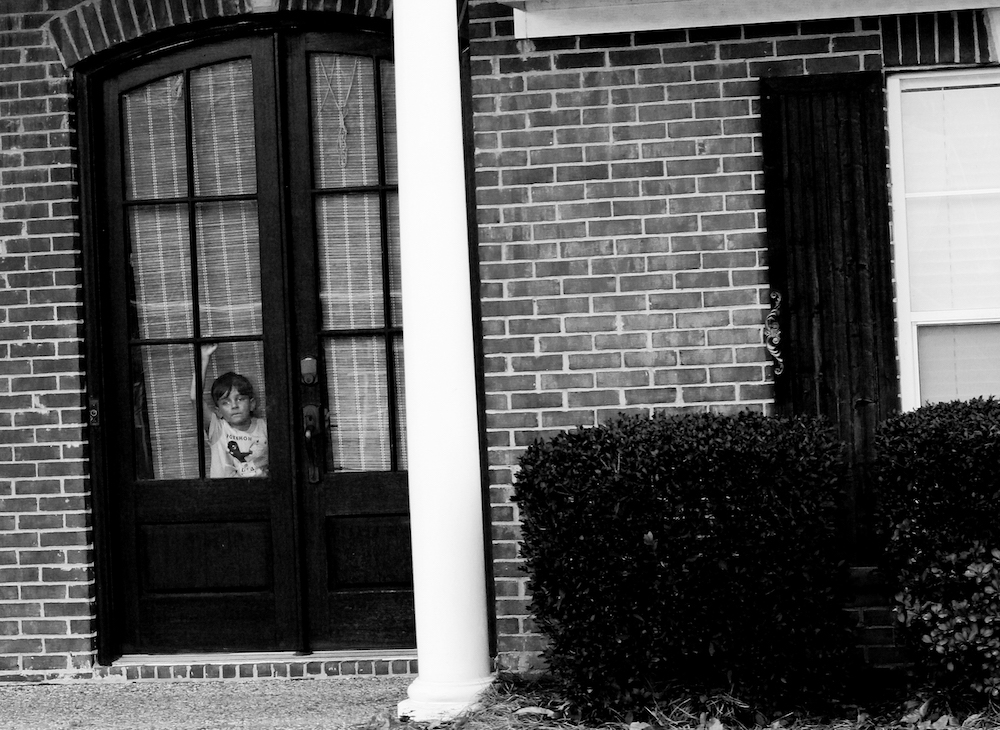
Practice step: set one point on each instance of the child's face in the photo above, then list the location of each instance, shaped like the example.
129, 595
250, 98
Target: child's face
235, 409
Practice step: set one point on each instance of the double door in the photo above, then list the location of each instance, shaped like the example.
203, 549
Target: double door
250, 212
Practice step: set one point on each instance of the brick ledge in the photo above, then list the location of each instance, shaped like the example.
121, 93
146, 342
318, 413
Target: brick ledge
247, 666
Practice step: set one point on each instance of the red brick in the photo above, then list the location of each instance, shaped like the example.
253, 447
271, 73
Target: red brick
706, 356
843, 64
595, 361
46, 662
680, 376
520, 401
620, 342
21, 646
591, 398
639, 131
539, 363
19, 610
650, 396
566, 343
567, 419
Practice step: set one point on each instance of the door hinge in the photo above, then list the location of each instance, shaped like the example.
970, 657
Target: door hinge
94, 412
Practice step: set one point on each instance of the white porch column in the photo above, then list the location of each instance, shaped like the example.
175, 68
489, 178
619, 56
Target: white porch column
446, 509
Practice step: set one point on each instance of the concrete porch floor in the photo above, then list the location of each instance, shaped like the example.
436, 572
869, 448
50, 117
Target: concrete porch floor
331, 703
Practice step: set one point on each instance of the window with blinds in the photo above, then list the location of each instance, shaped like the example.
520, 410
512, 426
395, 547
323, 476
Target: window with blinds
945, 164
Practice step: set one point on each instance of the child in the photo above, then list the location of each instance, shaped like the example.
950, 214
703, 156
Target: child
237, 438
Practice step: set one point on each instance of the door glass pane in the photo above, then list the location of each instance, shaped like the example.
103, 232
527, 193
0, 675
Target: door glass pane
223, 129
350, 252
948, 139
345, 151
357, 380
164, 422
156, 161
958, 361
397, 353
954, 259
228, 269
241, 449
161, 271
389, 121
395, 274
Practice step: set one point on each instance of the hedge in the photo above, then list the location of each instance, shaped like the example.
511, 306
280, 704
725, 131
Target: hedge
689, 554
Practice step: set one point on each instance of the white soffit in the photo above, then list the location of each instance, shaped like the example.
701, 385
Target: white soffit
548, 18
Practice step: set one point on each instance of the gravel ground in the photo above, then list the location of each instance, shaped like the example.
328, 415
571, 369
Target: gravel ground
307, 704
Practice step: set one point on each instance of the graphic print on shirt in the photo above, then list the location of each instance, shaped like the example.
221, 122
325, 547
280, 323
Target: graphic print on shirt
238, 453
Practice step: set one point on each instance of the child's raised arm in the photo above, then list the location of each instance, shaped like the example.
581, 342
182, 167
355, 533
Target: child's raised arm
206, 410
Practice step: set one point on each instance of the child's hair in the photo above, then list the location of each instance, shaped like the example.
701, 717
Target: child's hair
227, 382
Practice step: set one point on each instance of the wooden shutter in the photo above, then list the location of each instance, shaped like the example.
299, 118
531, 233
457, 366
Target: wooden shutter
831, 329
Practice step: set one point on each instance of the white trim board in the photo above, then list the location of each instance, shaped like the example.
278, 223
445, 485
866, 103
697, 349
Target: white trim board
548, 18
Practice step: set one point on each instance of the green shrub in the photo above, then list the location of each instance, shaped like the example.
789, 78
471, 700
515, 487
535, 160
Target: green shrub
695, 553
938, 485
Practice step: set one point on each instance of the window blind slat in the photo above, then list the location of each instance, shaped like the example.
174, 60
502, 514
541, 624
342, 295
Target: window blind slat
350, 255
345, 150
359, 404
957, 362
222, 116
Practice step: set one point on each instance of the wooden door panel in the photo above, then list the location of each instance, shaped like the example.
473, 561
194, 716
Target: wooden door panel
205, 501
370, 581
206, 557
376, 619
368, 551
210, 623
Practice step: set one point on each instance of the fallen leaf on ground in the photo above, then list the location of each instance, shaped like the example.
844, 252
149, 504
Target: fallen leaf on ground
535, 711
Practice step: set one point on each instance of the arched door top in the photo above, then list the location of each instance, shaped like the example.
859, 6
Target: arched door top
94, 26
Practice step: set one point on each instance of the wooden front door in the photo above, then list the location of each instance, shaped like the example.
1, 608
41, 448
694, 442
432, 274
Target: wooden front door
246, 208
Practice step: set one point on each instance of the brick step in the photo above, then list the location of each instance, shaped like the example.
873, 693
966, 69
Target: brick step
242, 666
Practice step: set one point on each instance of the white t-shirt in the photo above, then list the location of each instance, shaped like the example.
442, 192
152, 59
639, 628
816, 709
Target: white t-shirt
238, 453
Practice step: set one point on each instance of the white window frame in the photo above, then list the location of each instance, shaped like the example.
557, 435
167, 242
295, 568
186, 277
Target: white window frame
907, 320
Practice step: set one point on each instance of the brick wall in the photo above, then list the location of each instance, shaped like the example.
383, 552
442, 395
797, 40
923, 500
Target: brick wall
46, 611
621, 230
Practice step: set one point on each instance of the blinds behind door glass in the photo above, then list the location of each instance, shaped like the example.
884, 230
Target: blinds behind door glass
389, 121
357, 225
345, 146
223, 127
225, 256
228, 268
350, 254
156, 161
359, 400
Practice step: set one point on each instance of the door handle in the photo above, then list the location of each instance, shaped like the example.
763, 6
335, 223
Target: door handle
311, 433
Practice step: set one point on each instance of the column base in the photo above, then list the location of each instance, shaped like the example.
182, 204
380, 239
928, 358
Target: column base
429, 701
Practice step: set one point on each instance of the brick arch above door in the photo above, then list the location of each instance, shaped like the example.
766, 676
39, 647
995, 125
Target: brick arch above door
92, 26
